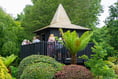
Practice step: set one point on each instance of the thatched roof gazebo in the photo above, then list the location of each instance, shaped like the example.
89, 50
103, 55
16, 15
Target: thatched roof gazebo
60, 20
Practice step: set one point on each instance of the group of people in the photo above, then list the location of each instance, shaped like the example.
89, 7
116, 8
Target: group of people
54, 45
26, 42
35, 40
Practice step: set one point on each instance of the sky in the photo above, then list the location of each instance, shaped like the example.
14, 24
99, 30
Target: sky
14, 7
105, 14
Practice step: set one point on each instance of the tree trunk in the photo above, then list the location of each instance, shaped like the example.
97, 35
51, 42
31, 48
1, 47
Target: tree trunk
73, 59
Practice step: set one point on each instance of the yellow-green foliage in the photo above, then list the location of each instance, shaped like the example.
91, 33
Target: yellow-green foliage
4, 71
111, 61
9, 59
115, 67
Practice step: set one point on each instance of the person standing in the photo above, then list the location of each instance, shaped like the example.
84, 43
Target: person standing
35, 39
51, 45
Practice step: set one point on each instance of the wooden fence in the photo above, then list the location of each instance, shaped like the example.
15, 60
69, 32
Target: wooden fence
62, 55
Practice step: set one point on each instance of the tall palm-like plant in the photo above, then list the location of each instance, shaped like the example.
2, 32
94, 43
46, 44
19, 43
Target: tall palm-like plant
74, 43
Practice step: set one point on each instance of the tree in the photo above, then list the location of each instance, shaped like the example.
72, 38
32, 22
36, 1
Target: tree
20, 17
11, 34
100, 34
112, 25
74, 44
40, 14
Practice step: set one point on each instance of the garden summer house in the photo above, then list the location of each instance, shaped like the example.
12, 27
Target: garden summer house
60, 20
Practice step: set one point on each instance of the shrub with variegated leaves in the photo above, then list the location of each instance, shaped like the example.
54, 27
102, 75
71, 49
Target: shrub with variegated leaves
4, 71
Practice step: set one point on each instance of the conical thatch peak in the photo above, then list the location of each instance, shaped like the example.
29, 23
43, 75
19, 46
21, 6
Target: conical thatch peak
60, 16
61, 20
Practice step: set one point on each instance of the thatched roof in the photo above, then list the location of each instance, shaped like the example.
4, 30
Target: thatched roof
61, 20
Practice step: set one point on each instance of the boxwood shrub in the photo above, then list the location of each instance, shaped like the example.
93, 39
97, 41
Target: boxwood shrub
38, 71
36, 59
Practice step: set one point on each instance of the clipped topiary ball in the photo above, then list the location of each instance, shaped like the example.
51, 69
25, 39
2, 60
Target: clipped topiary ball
36, 59
38, 71
74, 72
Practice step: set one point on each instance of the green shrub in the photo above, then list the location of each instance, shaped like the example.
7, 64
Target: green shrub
36, 59
98, 65
38, 71
14, 71
74, 72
